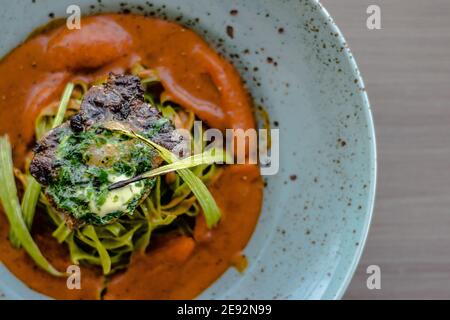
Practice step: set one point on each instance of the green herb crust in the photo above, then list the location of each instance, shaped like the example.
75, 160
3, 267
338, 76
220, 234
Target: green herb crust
88, 162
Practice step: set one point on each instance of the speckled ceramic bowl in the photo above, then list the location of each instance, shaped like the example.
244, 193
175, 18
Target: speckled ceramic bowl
297, 65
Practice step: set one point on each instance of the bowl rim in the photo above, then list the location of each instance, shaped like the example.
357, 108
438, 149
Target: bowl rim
340, 291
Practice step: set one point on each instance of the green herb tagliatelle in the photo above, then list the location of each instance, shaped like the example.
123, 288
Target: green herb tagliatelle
11, 206
31, 195
33, 188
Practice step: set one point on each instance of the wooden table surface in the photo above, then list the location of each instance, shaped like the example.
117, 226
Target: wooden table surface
406, 68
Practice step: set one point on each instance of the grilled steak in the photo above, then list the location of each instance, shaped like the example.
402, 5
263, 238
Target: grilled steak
78, 160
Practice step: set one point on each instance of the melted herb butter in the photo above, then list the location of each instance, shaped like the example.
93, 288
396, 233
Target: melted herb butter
117, 200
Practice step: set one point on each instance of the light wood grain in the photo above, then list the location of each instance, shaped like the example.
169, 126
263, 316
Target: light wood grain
406, 68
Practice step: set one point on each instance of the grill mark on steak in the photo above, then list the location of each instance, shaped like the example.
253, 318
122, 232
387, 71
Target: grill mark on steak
120, 99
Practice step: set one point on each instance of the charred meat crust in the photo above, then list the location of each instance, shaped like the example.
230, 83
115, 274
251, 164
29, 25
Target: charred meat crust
120, 99
43, 167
